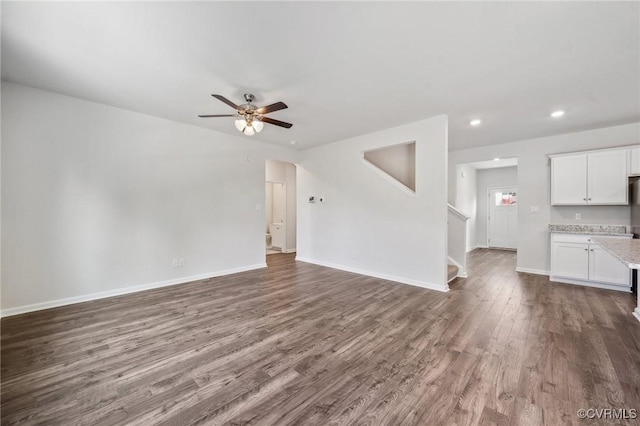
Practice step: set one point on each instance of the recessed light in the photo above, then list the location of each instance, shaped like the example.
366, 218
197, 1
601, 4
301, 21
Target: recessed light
496, 159
475, 122
557, 114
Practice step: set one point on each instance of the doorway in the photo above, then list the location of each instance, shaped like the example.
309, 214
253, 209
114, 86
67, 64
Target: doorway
502, 218
275, 214
280, 207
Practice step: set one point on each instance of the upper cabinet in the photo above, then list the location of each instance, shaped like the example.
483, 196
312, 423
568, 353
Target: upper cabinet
569, 179
634, 163
595, 178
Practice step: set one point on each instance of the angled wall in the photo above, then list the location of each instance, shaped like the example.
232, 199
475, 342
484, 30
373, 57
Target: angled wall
366, 223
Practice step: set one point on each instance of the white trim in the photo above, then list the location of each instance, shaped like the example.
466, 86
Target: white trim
395, 182
120, 291
532, 271
476, 247
636, 313
615, 148
457, 212
458, 276
293, 250
452, 261
402, 280
590, 284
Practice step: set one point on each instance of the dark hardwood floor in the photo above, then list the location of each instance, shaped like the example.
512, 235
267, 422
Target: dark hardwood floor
303, 344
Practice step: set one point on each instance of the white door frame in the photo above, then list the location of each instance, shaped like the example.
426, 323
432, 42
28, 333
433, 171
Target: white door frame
489, 205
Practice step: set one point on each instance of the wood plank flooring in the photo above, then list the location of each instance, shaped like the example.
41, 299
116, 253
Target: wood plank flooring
302, 344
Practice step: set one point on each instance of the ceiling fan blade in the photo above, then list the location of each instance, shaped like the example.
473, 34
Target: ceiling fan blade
217, 115
271, 108
276, 122
226, 101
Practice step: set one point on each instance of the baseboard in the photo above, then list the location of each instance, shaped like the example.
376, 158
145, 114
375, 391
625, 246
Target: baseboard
126, 290
401, 280
532, 271
590, 284
636, 313
476, 247
290, 250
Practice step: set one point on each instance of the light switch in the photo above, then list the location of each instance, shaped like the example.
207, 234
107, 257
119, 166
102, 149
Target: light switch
534, 209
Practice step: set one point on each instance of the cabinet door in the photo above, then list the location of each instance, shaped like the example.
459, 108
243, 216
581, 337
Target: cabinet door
605, 268
569, 179
570, 260
634, 168
607, 177
277, 236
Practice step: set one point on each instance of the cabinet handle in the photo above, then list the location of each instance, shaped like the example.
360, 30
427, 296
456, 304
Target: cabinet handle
586, 249
584, 199
589, 199
591, 249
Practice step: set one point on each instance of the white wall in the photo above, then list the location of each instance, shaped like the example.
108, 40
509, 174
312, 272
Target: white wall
534, 179
277, 171
368, 224
487, 178
97, 200
466, 199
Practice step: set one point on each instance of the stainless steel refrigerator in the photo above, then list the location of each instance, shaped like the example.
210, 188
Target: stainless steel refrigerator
634, 202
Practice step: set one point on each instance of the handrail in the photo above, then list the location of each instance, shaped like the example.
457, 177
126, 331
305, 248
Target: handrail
457, 212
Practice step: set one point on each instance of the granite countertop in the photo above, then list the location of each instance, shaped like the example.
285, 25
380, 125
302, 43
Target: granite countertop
604, 230
628, 251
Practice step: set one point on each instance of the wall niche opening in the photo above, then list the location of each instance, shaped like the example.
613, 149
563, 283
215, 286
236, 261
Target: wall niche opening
396, 161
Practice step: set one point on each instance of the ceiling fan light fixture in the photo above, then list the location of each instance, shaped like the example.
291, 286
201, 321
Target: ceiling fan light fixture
249, 131
251, 119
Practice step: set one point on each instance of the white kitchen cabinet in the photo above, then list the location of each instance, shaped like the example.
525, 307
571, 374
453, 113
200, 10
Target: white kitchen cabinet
603, 267
570, 260
596, 178
634, 162
569, 179
607, 181
575, 259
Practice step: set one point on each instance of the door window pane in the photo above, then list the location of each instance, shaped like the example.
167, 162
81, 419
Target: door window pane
505, 199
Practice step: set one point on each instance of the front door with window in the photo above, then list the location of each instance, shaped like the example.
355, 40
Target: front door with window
503, 218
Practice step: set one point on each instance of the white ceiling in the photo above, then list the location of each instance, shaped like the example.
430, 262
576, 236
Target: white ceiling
344, 68
495, 163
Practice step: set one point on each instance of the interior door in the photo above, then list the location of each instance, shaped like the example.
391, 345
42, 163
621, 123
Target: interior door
502, 227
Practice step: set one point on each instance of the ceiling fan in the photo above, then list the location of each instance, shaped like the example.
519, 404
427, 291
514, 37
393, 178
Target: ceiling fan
251, 117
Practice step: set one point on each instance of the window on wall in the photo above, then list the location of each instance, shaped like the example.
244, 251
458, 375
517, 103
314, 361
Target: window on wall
505, 199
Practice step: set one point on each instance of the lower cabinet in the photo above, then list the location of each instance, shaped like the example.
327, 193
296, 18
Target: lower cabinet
575, 259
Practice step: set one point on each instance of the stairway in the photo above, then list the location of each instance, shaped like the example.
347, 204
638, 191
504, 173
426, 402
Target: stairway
452, 272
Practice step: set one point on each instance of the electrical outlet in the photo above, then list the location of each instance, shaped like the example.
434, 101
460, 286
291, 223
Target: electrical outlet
578, 216
174, 263
181, 261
